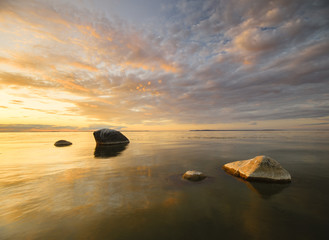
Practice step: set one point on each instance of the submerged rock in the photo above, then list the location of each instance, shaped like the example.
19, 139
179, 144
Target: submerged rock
109, 136
260, 168
193, 175
62, 143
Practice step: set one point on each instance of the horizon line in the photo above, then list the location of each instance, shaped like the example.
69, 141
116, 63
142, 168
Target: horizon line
175, 130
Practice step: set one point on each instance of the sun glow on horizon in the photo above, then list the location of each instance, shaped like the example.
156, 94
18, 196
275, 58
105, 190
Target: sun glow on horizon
70, 67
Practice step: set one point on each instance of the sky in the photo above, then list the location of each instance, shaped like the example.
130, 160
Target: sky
163, 65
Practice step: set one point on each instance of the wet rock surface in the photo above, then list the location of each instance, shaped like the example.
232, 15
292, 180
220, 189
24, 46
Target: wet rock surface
194, 176
107, 136
62, 143
260, 168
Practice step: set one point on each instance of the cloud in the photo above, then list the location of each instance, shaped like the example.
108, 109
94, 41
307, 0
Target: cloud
52, 128
7, 78
196, 62
33, 127
315, 124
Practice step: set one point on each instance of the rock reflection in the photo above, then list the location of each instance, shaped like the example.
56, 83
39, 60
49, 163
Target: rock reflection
266, 190
108, 151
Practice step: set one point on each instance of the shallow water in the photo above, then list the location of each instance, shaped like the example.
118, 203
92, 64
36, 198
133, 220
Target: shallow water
135, 191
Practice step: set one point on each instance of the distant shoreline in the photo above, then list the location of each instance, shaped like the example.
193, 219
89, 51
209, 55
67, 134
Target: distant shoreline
241, 130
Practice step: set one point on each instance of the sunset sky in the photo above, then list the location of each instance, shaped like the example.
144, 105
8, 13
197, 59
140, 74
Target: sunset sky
160, 65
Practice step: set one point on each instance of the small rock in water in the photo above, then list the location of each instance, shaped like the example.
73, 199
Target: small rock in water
260, 168
109, 136
193, 175
62, 143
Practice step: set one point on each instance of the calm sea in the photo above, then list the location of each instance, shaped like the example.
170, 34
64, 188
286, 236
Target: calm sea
136, 191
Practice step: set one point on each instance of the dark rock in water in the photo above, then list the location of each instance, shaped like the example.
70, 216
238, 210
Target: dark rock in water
260, 168
62, 143
193, 175
109, 136
107, 151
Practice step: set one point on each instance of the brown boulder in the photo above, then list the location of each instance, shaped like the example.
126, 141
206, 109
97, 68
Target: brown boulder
194, 175
260, 168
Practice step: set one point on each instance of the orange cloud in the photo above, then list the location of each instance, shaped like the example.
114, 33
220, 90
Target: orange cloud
28, 24
22, 80
84, 66
150, 67
169, 68
88, 30
72, 86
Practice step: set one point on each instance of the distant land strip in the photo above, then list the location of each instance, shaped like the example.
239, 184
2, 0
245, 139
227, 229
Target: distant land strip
248, 130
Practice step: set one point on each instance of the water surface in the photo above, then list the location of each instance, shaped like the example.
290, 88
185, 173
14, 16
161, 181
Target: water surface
135, 191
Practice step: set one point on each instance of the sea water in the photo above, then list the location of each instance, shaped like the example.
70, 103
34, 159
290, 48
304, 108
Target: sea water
135, 191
